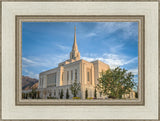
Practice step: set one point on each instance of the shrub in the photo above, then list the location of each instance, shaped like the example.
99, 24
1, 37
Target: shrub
23, 95
90, 98
95, 93
86, 94
61, 94
67, 94
76, 98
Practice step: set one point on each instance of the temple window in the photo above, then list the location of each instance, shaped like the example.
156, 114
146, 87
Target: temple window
75, 74
88, 79
51, 79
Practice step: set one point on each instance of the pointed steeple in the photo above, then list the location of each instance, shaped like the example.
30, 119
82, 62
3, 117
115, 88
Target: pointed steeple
75, 47
74, 54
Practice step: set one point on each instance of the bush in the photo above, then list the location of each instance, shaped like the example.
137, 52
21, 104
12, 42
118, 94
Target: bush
90, 98
76, 98
23, 95
112, 97
136, 94
61, 94
86, 94
67, 94
95, 93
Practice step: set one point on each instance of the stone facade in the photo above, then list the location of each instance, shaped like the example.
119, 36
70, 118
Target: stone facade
86, 73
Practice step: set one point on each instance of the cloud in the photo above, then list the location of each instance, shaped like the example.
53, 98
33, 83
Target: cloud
31, 74
27, 60
52, 61
62, 47
131, 60
128, 28
124, 30
112, 60
134, 71
91, 34
43, 61
32, 66
116, 48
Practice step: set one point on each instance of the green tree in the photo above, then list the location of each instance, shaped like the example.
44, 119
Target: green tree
23, 95
136, 94
86, 93
27, 95
61, 94
116, 82
38, 92
95, 93
33, 93
75, 88
67, 94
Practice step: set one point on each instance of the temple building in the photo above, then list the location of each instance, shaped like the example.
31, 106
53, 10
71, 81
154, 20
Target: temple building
86, 73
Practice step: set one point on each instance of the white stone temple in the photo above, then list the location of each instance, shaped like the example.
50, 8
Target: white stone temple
86, 73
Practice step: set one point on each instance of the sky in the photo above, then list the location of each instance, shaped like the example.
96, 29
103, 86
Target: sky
45, 44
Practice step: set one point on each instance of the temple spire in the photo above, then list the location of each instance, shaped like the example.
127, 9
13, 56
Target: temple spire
75, 47
74, 54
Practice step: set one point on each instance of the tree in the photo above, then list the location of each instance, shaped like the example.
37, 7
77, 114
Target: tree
23, 95
38, 92
116, 82
61, 94
95, 93
50, 93
33, 93
86, 93
75, 88
27, 95
67, 94
136, 94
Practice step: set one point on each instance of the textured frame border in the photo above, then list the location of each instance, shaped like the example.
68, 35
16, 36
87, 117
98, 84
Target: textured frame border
75, 1
87, 18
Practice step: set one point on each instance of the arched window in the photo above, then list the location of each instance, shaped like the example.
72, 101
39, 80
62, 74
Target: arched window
88, 79
75, 74
67, 76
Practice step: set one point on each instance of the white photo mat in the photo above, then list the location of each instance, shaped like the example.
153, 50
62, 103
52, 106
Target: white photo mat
148, 9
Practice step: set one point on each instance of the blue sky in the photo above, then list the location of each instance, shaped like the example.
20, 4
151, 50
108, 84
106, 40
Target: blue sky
45, 44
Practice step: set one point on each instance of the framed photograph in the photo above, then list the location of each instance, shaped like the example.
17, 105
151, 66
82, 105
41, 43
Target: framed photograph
88, 78
87, 60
